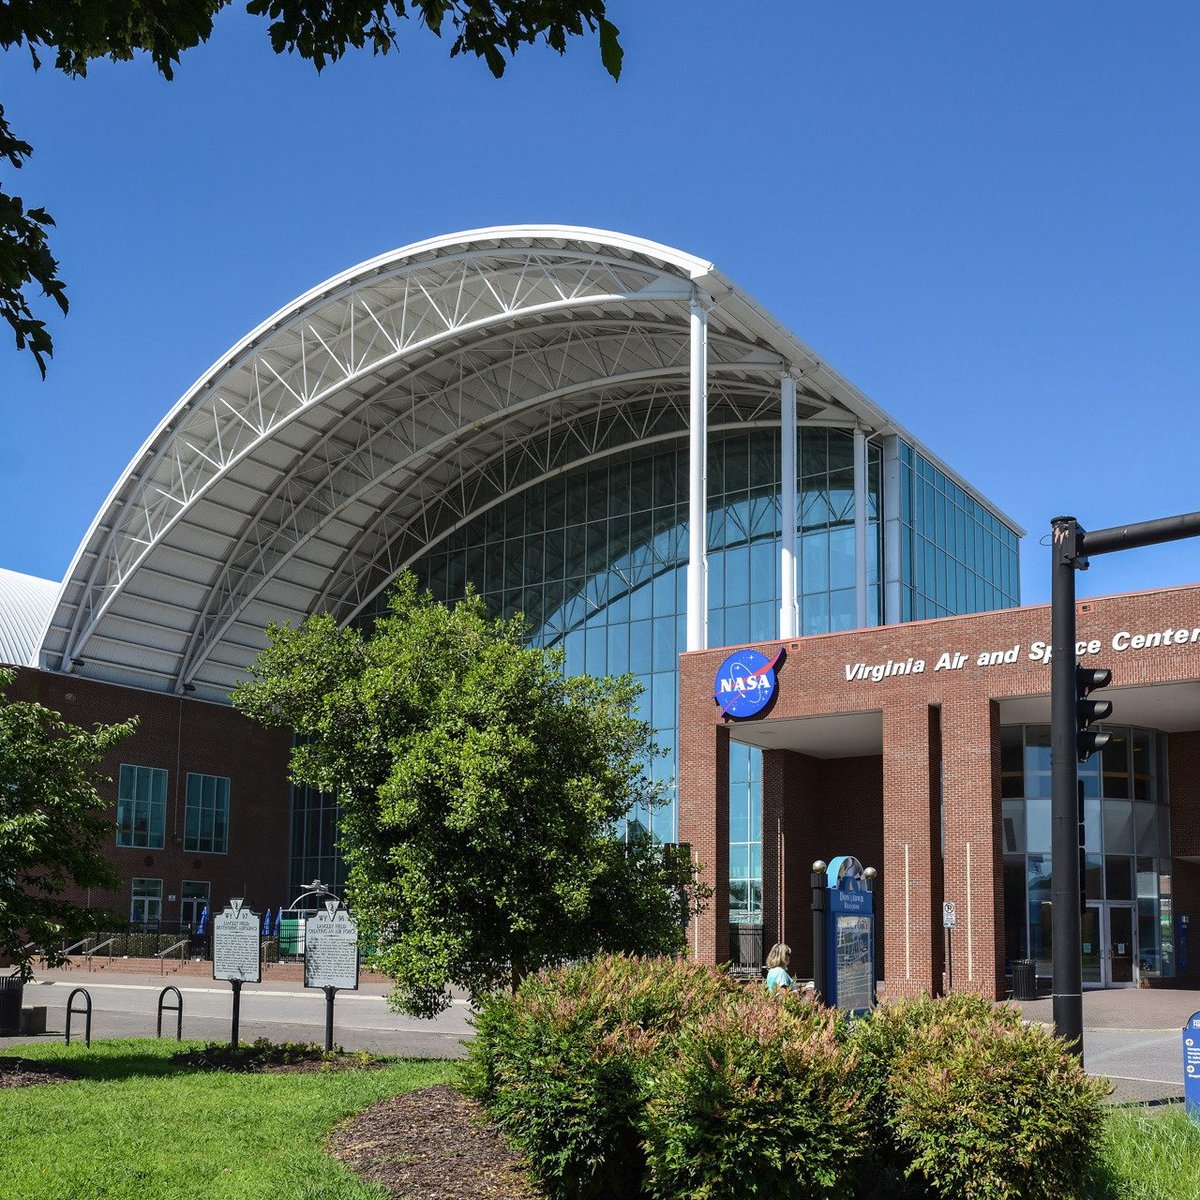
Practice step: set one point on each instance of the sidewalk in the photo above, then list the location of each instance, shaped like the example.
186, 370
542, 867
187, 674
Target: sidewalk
1132, 1036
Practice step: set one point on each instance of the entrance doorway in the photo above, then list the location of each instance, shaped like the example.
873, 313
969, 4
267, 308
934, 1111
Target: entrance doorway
1109, 946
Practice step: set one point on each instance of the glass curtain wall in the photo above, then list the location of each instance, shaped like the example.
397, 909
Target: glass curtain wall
596, 559
1127, 840
956, 556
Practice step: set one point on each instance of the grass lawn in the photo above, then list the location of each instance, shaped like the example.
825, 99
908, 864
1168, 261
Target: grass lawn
140, 1127
1148, 1154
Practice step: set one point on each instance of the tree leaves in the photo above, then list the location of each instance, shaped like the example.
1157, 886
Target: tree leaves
482, 794
52, 824
322, 31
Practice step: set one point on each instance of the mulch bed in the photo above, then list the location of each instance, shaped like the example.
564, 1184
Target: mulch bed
21, 1072
433, 1144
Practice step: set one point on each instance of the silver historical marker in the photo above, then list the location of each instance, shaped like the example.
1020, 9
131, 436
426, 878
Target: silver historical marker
237, 944
331, 949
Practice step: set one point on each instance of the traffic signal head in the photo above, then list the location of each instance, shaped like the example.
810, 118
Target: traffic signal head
1087, 712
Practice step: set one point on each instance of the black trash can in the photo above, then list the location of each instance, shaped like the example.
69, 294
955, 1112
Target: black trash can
1024, 979
12, 992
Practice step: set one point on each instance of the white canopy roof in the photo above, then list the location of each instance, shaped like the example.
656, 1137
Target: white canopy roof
26, 604
385, 408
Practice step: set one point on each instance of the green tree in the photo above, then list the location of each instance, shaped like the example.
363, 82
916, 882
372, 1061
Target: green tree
52, 825
481, 793
322, 31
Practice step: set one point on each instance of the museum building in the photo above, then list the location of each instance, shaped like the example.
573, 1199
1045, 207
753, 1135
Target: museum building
610, 437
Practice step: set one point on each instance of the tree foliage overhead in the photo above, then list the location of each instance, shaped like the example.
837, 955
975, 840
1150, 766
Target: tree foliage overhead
52, 825
73, 33
481, 794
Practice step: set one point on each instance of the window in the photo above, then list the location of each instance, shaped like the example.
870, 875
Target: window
145, 908
141, 807
193, 901
206, 826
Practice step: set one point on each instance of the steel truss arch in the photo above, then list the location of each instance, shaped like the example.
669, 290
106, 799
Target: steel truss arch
283, 478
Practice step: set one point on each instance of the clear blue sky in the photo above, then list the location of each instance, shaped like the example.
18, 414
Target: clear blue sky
986, 215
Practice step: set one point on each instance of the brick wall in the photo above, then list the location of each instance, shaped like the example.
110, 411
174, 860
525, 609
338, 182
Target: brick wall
939, 730
181, 736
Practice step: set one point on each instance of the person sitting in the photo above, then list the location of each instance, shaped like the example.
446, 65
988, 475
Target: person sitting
778, 961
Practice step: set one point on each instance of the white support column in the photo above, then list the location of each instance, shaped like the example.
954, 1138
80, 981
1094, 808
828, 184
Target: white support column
789, 613
697, 570
893, 568
860, 529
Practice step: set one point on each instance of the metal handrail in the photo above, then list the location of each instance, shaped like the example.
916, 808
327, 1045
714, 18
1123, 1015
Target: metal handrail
88, 953
76, 945
162, 954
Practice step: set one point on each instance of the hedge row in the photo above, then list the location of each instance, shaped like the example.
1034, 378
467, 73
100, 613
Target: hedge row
631, 1078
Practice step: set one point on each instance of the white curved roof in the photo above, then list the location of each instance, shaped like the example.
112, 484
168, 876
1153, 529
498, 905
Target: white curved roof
26, 605
384, 409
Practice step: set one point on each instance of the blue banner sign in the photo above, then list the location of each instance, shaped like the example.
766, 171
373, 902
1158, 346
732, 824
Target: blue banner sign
1191, 1066
745, 683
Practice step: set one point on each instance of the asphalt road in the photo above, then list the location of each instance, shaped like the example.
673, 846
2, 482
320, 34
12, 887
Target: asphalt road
1132, 1037
279, 1011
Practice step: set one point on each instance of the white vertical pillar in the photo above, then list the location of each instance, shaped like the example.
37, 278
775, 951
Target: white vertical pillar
697, 570
789, 614
894, 569
860, 529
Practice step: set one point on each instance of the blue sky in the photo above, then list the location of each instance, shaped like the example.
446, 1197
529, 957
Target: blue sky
986, 215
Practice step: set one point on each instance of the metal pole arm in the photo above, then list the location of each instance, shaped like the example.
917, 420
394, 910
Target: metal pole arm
1143, 533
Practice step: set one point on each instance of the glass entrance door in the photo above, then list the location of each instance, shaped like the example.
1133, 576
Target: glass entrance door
1093, 958
1109, 946
1122, 948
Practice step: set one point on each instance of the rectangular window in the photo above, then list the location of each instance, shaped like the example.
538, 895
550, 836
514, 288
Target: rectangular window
193, 901
141, 807
145, 906
206, 828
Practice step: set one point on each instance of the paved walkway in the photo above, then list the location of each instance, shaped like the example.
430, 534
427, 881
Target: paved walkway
1132, 1036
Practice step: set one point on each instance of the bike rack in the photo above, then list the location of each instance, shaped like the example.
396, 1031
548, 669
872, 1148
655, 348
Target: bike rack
85, 1012
176, 1008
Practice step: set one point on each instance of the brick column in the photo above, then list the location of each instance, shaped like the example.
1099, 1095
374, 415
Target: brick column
793, 801
974, 863
704, 825
909, 870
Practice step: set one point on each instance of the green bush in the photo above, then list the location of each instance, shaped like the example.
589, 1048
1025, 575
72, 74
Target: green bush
564, 1066
878, 1042
983, 1109
759, 1099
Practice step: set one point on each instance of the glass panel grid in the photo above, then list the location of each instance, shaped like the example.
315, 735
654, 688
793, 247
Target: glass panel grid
141, 806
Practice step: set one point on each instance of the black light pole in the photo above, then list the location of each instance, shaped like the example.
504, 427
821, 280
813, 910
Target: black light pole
820, 906
1066, 931
1070, 714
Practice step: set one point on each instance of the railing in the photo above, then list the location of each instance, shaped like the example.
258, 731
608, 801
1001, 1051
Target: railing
76, 945
89, 954
162, 954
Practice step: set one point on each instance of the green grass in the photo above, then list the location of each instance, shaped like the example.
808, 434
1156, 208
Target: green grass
140, 1127
1148, 1154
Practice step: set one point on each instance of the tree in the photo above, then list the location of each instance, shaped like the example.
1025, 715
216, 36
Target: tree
321, 31
52, 825
481, 794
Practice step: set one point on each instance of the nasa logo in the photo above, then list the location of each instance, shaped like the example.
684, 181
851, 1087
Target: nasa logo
745, 683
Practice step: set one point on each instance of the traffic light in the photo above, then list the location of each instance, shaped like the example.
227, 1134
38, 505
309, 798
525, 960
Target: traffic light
1087, 712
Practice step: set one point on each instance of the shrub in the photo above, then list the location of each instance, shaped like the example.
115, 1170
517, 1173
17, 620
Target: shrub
759, 1098
989, 1108
879, 1041
564, 1065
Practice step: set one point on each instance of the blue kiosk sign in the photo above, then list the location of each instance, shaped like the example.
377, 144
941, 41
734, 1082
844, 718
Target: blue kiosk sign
1191, 1066
849, 938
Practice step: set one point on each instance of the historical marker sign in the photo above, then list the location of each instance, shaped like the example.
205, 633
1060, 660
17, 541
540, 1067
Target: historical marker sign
237, 944
1191, 1066
331, 949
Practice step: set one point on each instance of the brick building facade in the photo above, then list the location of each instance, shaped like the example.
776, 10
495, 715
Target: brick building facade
886, 744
